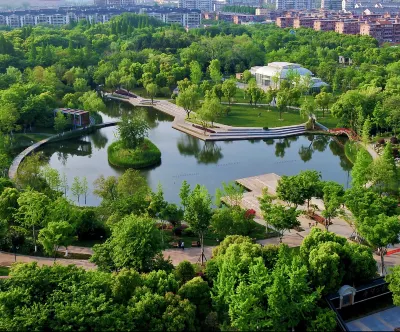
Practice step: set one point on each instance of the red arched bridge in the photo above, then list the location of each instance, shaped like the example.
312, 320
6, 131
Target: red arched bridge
350, 133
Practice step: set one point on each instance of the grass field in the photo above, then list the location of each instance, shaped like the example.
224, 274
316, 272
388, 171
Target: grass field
266, 116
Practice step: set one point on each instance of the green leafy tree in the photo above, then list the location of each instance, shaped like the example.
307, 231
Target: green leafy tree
235, 221
196, 72
217, 91
197, 292
32, 211
132, 130
290, 298
210, 110
151, 90
366, 130
323, 100
380, 231
333, 199
254, 92
215, 71
247, 76
290, 190
184, 193
198, 213
54, 235
394, 284
325, 320
184, 272
282, 218
134, 243
232, 192
384, 173
60, 122
229, 89
76, 188
188, 99
360, 173
91, 102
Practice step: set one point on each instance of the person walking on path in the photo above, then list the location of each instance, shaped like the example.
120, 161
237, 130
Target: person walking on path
183, 245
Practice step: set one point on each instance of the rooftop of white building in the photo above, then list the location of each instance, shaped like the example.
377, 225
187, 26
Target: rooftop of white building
282, 68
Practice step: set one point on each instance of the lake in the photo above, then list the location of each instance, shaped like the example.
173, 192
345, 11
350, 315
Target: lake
188, 158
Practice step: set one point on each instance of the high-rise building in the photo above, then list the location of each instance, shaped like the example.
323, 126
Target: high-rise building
203, 5
293, 4
331, 4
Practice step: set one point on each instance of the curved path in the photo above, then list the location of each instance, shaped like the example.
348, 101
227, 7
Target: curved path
222, 133
12, 171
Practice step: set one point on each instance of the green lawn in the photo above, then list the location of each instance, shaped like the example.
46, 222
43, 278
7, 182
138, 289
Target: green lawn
4, 270
248, 116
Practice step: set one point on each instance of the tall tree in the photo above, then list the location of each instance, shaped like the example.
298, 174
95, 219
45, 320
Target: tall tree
134, 243
229, 89
215, 71
54, 235
196, 72
33, 209
132, 130
198, 213
380, 231
360, 173
333, 199
188, 99
323, 100
384, 173
152, 90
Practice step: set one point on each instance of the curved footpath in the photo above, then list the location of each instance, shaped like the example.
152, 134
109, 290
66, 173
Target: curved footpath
223, 132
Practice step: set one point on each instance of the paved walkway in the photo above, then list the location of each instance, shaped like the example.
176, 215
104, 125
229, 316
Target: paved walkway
223, 132
7, 259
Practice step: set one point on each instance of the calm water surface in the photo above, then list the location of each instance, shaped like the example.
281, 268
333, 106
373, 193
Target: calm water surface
187, 158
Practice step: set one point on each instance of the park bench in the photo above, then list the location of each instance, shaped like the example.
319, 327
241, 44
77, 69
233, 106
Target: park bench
175, 244
195, 244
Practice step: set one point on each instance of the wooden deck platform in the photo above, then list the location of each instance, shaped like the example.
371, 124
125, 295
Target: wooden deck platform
255, 186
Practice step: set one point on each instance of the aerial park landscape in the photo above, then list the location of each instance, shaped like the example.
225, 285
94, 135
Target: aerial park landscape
225, 177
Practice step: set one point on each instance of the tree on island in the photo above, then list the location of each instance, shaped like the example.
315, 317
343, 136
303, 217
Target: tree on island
132, 130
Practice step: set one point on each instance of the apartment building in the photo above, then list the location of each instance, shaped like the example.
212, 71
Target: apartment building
383, 30
293, 4
324, 25
304, 22
331, 5
61, 16
348, 27
284, 21
203, 5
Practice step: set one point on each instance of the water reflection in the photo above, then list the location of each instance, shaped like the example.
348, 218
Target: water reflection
187, 158
204, 152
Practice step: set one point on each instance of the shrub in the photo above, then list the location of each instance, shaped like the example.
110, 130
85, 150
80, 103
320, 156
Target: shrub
185, 272
309, 125
188, 232
394, 140
165, 91
381, 141
265, 128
